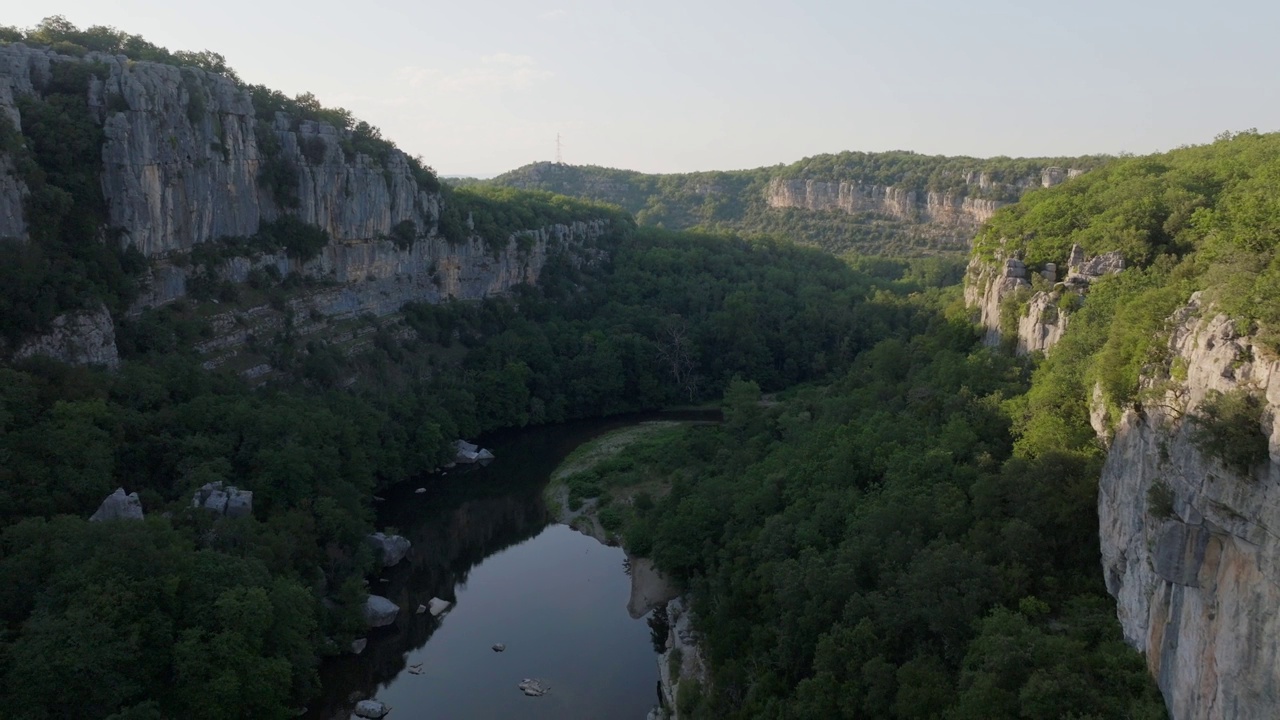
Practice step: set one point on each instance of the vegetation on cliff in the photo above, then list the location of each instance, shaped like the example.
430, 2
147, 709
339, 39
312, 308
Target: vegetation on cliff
1197, 218
736, 200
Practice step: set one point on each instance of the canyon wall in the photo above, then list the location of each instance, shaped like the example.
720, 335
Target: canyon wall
187, 162
1189, 546
961, 211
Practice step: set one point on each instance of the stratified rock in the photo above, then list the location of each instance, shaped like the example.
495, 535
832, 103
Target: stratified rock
390, 549
86, 337
379, 611
119, 506
371, 709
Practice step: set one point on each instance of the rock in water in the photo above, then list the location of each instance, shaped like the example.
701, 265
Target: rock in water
438, 606
533, 688
358, 645
499, 647
390, 548
379, 611
421, 609
371, 709
119, 506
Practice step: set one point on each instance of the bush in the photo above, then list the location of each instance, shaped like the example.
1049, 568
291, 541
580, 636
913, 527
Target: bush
301, 240
1160, 500
1229, 427
611, 519
404, 233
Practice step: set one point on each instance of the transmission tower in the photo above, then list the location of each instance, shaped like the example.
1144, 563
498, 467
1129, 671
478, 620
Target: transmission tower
559, 151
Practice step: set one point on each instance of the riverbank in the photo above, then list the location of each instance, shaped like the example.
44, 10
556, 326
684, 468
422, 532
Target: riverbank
595, 491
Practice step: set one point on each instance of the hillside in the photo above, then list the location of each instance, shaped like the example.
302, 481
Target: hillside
894, 203
1151, 284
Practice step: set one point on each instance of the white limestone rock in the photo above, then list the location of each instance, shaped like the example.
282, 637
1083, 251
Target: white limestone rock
118, 506
1196, 591
379, 611
390, 549
371, 709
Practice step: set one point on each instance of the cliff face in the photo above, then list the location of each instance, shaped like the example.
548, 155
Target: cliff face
1041, 318
186, 161
956, 211
1197, 577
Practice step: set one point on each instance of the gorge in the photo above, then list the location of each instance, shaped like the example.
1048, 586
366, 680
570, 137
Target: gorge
1044, 492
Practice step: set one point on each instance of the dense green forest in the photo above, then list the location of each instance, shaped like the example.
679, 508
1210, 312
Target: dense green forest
875, 548
919, 538
188, 615
735, 200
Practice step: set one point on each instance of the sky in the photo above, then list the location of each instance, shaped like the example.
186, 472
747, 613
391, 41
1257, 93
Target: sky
478, 87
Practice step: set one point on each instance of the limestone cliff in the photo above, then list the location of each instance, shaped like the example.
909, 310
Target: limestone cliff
1189, 546
186, 162
80, 338
960, 211
1037, 318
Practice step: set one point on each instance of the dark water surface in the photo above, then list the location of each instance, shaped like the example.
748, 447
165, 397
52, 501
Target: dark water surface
483, 539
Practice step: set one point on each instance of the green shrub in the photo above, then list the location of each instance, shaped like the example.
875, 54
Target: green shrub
1228, 426
404, 233
1160, 500
611, 519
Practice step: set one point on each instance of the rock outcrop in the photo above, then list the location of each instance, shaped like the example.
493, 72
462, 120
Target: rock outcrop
87, 337
1189, 546
118, 506
961, 211
223, 499
390, 549
682, 644
187, 161
1043, 320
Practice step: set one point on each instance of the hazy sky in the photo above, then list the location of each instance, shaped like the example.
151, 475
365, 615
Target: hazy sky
483, 86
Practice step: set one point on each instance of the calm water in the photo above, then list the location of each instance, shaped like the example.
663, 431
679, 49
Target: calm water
483, 538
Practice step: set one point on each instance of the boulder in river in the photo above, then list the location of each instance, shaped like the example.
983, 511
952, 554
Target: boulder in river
379, 611
119, 506
499, 647
533, 688
470, 453
371, 709
358, 645
390, 549
438, 606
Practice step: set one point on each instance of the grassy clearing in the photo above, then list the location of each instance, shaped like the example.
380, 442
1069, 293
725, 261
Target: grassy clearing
596, 487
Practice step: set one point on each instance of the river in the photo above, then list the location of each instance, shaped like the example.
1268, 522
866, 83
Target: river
484, 540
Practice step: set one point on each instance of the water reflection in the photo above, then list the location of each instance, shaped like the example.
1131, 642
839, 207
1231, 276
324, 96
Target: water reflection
471, 515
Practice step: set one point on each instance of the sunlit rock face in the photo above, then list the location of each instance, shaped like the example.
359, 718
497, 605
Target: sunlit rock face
1197, 581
